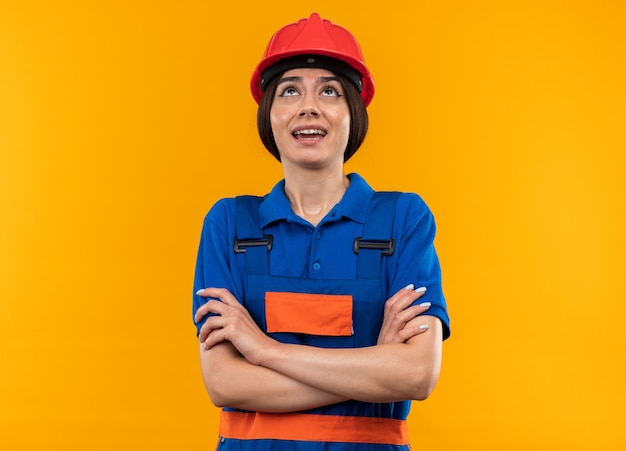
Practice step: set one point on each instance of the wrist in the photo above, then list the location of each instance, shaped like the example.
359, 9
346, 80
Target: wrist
268, 353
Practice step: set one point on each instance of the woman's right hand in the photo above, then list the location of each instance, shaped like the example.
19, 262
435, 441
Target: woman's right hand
230, 322
398, 312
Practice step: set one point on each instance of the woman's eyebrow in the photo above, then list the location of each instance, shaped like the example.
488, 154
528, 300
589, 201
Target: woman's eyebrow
327, 79
289, 79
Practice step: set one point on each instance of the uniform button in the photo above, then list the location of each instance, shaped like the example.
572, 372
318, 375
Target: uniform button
318, 235
316, 266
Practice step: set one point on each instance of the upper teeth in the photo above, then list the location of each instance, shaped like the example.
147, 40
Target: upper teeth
309, 131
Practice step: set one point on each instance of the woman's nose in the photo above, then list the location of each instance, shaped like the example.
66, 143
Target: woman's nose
309, 106
309, 111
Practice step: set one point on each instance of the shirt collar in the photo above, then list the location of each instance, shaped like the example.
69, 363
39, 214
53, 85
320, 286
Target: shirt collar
353, 205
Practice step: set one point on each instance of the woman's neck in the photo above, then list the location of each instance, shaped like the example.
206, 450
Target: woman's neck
312, 194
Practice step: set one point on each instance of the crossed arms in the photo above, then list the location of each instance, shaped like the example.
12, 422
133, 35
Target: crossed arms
244, 368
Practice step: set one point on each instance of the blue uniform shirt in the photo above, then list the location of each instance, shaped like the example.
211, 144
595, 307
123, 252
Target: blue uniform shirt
301, 250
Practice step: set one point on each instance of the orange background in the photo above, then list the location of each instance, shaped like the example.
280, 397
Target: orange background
121, 122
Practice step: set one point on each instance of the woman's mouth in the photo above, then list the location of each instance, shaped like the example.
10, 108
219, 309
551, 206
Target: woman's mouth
309, 134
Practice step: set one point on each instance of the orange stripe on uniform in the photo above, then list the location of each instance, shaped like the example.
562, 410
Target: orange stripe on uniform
313, 428
313, 314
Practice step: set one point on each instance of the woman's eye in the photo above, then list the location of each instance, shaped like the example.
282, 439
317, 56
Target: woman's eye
287, 92
330, 92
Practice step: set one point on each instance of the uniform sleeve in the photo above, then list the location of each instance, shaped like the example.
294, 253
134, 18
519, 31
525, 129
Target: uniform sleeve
214, 261
418, 262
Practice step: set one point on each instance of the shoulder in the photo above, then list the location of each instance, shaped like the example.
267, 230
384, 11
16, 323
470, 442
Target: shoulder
224, 211
412, 214
406, 201
227, 207
221, 210
412, 202
411, 207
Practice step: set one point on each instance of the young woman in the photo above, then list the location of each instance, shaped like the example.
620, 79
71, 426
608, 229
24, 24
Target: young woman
319, 307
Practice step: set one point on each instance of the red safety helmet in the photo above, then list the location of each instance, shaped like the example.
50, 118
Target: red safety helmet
309, 38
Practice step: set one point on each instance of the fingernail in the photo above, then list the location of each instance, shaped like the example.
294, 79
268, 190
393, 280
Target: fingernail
425, 304
424, 326
200, 291
420, 290
409, 287
206, 348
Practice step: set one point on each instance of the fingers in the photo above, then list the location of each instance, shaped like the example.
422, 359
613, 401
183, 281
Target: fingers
221, 293
399, 310
215, 337
408, 314
212, 324
410, 332
407, 295
212, 305
226, 316
401, 301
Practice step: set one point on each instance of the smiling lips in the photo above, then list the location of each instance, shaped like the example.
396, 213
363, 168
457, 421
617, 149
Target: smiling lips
309, 134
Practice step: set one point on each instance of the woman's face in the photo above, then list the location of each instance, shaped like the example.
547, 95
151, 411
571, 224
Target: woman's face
310, 119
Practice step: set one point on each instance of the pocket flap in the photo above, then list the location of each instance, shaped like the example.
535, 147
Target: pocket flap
313, 314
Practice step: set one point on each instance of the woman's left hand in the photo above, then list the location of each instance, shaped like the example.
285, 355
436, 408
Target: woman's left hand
398, 312
231, 322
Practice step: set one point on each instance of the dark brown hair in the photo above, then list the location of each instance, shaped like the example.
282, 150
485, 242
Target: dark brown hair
359, 119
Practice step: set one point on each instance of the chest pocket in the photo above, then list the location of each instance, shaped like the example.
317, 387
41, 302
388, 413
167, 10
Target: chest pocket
313, 314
